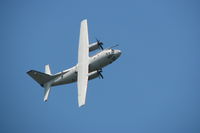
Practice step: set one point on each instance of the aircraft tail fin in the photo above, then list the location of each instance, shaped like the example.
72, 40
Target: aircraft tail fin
46, 91
44, 79
47, 69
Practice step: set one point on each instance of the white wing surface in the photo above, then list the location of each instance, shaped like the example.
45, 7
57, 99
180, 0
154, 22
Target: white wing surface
83, 61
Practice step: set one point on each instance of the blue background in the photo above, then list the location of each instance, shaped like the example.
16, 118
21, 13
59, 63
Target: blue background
154, 87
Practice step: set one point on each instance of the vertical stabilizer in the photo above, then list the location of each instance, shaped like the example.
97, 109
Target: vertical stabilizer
47, 88
47, 69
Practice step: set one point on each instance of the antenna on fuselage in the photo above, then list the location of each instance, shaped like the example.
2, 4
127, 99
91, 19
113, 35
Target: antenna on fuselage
113, 46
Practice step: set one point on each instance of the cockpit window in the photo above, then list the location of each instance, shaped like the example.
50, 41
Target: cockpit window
112, 51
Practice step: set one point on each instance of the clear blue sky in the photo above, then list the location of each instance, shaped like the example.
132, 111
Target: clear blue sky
153, 88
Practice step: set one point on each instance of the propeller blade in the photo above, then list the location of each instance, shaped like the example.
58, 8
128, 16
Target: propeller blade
100, 44
100, 75
101, 47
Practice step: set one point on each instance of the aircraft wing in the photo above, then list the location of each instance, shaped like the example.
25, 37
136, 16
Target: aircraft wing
83, 62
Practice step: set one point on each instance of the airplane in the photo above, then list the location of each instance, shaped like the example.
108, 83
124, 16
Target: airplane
87, 68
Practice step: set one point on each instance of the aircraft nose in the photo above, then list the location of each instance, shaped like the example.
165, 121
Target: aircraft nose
118, 52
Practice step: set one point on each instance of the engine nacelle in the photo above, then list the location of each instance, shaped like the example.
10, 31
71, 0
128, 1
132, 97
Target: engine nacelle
93, 75
93, 46
96, 45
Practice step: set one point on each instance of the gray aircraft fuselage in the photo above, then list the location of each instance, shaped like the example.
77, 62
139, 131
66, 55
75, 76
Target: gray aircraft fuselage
96, 62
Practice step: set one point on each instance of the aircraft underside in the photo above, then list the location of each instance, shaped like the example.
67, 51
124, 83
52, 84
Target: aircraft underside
94, 71
86, 69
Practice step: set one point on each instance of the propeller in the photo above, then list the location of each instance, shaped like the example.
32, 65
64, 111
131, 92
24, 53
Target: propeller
100, 75
99, 43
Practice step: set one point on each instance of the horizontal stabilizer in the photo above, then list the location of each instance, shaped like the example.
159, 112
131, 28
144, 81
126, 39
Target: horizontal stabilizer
40, 77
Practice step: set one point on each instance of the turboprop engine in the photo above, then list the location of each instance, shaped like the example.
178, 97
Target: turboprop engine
95, 74
97, 45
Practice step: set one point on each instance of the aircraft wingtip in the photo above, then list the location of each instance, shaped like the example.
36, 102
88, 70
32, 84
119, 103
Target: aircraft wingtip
81, 105
84, 20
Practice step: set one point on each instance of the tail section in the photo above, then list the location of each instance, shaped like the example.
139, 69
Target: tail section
39, 77
44, 79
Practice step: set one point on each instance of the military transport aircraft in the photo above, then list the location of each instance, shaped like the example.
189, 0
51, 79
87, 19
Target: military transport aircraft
86, 69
